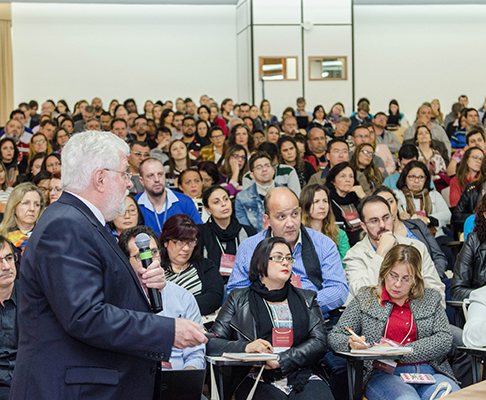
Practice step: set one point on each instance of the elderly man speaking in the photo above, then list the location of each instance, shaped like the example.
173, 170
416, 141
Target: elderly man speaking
86, 330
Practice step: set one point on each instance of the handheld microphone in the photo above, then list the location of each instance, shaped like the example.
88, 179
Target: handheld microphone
142, 241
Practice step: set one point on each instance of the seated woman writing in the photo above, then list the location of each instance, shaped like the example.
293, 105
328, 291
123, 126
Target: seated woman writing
251, 316
402, 310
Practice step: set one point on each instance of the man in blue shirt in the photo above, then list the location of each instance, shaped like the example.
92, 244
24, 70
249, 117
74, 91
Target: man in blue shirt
317, 261
159, 203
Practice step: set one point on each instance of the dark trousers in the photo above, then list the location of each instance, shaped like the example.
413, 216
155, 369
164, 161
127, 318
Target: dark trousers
265, 391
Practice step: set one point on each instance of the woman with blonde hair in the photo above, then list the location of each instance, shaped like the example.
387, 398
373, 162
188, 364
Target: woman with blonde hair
38, 144
272, 133
22, 211
399, 310
157, 111
318, 215
266, 114
436, 113
148, 109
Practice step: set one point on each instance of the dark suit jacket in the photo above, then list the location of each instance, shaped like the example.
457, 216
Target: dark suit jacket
85, 325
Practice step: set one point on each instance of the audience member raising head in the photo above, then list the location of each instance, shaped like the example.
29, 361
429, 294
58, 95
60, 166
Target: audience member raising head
289, 154
178, 161
132, 216
362, 160
190, 183
52, 163
234, 167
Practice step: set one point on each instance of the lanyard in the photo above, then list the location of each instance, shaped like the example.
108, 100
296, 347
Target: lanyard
339, 207
220, 246
165, 213
410, 331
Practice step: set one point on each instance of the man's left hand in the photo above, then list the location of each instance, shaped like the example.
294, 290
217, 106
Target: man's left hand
153, 276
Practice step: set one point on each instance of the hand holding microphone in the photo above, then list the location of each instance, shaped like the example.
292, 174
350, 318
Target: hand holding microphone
152, 274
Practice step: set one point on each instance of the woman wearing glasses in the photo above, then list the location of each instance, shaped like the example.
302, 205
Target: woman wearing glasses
184, 266
251, 318
38, 144
467, 172
362, 160
131, 217
235, 165
417, 200
402, 310
22, 211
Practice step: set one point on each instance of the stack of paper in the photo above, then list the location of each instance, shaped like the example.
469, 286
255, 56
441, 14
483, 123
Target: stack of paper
251, 356
382, 350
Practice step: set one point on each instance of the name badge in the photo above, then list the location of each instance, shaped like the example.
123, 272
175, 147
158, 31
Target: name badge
226, 264
352, 219
166, 365
282, 339
295, 280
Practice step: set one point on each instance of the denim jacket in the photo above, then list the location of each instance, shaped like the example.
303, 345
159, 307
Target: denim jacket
249, 207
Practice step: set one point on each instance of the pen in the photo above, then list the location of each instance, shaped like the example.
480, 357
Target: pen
354, 334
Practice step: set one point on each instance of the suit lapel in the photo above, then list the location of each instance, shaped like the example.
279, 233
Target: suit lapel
67, 198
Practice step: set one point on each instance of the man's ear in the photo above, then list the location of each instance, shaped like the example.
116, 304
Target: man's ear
99, 180
252, 176
266, 221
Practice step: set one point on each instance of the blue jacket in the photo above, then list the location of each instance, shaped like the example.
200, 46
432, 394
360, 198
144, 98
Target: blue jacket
249, 207
176, 203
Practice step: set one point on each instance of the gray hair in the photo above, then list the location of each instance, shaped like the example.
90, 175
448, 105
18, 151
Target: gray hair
86, 152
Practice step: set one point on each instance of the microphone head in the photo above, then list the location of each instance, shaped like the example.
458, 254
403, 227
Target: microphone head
142, 240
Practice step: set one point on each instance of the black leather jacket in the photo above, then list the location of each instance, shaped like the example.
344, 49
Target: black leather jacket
235, 328
466, 206
470, 268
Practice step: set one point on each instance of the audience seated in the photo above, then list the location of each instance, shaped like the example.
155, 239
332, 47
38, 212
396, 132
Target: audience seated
317, 262
215, 151
316, 140
179, 160
345, 195
181, 258
366, 134
246, 322
384, 136
467, 172
318, 215
474, 138
289, 154
249, 209
9, 155
470, 267
157, 202
177, 301
190, 183
132, 216
362, 160
222, 234
398, 293
139, 151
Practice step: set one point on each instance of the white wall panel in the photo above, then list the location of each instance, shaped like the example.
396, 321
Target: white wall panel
418, 53
268, 41
276, 11
75, 51
242, 15
327, 11
244, 67
328, 41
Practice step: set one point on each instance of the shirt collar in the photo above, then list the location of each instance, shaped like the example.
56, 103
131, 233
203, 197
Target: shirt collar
145, 201
92, 207
386, 297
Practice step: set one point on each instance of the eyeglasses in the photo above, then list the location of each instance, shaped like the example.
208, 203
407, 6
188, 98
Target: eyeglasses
155, 254
29, 204
182, 243
239, 157
140, 154
477, 158
376, 221
61, 137
42, 141
416, 178
394, 278
216, 136
189, 125
367, 153
260, 167
126, 175
280, 259
9, 258
131, 211
43, 189
57, 190
141, 124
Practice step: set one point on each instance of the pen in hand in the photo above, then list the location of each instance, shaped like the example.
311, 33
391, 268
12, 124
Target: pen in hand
356, 336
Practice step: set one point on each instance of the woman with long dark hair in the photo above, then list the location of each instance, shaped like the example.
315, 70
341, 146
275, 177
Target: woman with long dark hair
9, 155
235, 165
468, 171
178, 161
362, 160
288, 153
181, 258
249, 317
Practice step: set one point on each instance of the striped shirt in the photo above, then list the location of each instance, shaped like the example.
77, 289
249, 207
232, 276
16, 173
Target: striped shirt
187, 279
334, 287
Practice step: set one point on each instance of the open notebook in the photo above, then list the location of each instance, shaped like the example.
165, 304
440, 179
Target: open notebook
382, 350
251, 356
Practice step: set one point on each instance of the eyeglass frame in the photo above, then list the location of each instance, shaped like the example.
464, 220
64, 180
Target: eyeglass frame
127, 175
155, 253
289, 259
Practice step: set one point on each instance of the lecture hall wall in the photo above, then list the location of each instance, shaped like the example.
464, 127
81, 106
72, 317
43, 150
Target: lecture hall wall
412, 53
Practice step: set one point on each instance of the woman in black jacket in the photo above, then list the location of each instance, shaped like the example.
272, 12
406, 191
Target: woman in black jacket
415, 229
222, 234
184, 266
470, 268
251, 318
468, 202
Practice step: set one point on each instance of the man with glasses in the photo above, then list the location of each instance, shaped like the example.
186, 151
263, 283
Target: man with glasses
337, 152
139, 151
249, 208
9, 303
177, 301
157, 202
362, 262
